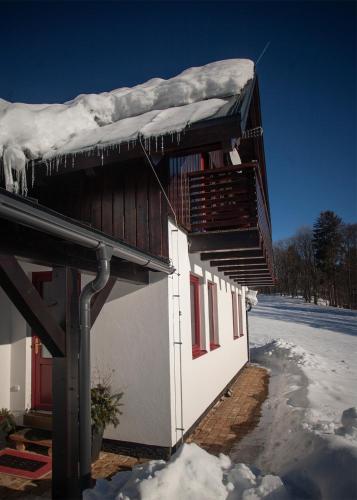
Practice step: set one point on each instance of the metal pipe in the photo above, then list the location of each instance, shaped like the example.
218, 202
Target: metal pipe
26, 214
104, 254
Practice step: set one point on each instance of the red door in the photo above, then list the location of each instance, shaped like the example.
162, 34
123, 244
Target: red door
41, 358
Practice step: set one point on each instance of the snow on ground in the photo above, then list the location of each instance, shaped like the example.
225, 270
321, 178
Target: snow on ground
308, 430
152, 109
191, 474
305, 446
323, 340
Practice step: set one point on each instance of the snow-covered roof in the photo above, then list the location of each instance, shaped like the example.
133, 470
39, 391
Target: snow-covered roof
152, 109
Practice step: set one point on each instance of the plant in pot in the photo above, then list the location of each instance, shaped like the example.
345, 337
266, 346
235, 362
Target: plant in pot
7, 425
105, 410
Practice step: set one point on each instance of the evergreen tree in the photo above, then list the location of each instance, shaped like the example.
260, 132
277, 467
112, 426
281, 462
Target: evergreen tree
327, 241
319, 263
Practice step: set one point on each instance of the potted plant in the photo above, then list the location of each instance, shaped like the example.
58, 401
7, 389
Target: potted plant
7, 425
105, 410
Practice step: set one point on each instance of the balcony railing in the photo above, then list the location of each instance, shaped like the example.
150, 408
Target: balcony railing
228, 199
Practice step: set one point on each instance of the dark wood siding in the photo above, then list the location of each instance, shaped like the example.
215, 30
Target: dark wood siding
122, 201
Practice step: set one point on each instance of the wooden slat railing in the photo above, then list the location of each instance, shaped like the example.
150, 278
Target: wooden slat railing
229, 198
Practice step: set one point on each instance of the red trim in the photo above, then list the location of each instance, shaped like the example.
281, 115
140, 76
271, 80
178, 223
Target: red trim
196, 353
212, 314
196, 345
47, 464
240, 316
235, 317
38, 278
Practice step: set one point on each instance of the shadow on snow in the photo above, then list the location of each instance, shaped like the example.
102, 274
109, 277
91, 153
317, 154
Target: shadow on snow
293, 310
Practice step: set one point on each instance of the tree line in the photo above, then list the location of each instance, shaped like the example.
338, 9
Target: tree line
319, 262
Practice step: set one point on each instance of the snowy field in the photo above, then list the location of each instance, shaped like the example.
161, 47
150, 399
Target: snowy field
305, 446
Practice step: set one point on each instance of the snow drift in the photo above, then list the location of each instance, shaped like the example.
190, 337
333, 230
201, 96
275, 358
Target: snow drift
152, 109
191, 474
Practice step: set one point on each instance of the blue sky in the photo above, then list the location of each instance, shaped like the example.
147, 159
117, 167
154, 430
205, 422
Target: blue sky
53, 51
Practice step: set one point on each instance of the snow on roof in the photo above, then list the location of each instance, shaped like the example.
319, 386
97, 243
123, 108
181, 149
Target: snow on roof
152, 109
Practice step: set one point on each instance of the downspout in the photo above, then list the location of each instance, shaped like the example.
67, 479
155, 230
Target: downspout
248, 308
104, 254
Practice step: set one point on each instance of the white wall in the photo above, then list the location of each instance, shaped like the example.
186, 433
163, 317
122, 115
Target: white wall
134, 335
5, 350
131, 337
203, 378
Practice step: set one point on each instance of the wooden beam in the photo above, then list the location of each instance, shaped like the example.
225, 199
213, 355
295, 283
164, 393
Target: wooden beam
27, 300
234, 240
229, 255
253, 278
248, 273
65, 380
100, 299
247, 262
254, 282
242, 267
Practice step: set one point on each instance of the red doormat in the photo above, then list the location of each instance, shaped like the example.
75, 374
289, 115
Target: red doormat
24, 464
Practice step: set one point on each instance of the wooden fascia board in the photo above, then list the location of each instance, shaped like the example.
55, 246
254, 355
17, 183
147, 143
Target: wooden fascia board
29, 303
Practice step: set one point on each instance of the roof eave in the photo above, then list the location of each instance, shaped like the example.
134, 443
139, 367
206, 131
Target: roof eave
202, 136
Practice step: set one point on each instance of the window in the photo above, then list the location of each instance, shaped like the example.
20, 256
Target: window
235, 315
212, 315
195, 317
240, 316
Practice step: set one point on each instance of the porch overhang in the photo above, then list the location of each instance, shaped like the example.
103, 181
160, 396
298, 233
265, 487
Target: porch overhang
55, 231
41, 235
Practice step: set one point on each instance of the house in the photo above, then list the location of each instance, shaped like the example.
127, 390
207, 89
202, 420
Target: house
170, 178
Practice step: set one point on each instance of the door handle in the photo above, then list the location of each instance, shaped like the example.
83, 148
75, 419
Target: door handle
37, 345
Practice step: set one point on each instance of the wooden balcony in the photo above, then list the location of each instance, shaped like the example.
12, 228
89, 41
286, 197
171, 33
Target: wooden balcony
229, 222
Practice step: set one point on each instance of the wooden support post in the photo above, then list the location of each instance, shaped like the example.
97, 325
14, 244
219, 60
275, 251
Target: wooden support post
65, 430
27, 300
99, 300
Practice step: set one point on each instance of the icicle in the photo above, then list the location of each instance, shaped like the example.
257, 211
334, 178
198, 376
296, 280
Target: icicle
23, 182
162, 144
102, 158
32, 173
72, 161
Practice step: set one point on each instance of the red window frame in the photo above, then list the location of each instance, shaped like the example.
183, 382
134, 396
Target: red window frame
212, 315
196, 345
235, 316
240, 316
